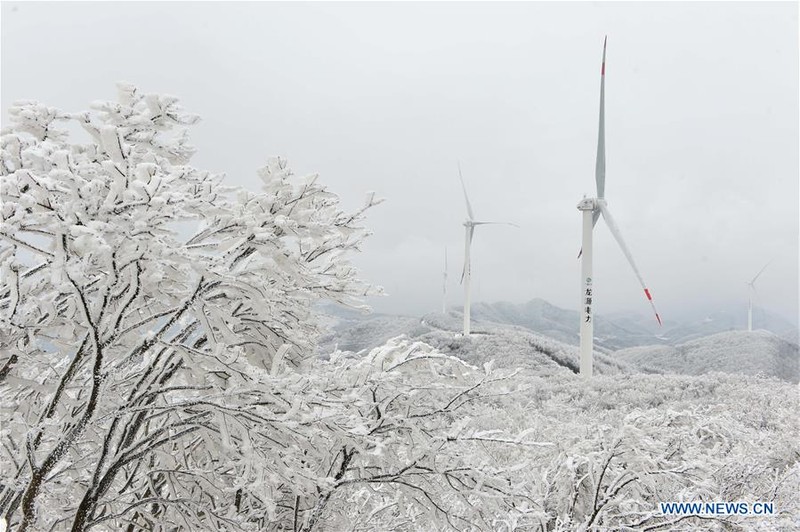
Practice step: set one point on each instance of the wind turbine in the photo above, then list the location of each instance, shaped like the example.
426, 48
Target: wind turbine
592, 209
751, 296
466, 274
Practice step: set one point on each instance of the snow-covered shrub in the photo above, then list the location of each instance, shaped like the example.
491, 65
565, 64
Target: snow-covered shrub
623, 444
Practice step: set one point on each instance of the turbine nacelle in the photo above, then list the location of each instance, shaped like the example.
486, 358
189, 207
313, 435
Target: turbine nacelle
591, 204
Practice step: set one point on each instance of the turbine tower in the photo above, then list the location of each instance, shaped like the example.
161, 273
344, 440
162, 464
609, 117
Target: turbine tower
592, 209
751, 296
466, 274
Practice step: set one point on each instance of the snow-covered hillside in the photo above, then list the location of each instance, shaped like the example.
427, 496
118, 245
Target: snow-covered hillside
511, 344
356, 332
507, 345
619, 330
540, 316
613, 331
692, 325
748, 353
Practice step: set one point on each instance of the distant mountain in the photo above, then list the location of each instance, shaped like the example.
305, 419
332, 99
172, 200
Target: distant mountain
540, 316
542, 336
355, 333
742, 352
724, 320
507, 345
619, 330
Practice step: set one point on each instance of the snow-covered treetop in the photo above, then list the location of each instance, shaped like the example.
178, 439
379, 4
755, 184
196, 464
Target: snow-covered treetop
103, 215
128, 274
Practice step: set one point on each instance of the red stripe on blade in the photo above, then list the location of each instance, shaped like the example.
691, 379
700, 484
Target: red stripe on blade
658, 318
647, 293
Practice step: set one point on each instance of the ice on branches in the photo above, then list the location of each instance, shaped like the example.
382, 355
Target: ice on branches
123, 337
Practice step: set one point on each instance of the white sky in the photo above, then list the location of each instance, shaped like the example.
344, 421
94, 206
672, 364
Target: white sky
701, 125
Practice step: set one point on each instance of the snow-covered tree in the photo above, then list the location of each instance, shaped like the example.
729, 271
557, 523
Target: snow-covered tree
145, 307
157, 336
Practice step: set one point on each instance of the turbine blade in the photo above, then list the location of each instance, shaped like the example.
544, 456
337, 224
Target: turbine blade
471, 234
464, 188
595, 217
612, 226
759, 273
600, 166
495, 223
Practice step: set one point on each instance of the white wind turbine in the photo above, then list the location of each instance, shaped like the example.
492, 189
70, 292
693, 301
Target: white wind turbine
592, 209
751, 296
466, 274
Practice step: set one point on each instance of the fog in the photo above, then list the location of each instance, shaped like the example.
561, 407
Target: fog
701, 130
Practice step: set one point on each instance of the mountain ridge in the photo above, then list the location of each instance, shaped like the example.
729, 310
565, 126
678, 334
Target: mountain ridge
540, 336
738, 352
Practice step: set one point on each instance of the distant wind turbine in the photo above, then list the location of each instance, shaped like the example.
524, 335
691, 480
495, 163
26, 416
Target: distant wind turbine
466, 274
444, 284
592, 209
751, 296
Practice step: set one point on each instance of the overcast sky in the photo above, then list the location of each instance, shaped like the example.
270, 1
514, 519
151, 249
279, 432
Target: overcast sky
701, 129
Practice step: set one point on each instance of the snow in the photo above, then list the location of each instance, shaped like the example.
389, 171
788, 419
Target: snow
507, 346
183, 365
620, 330
741, 352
